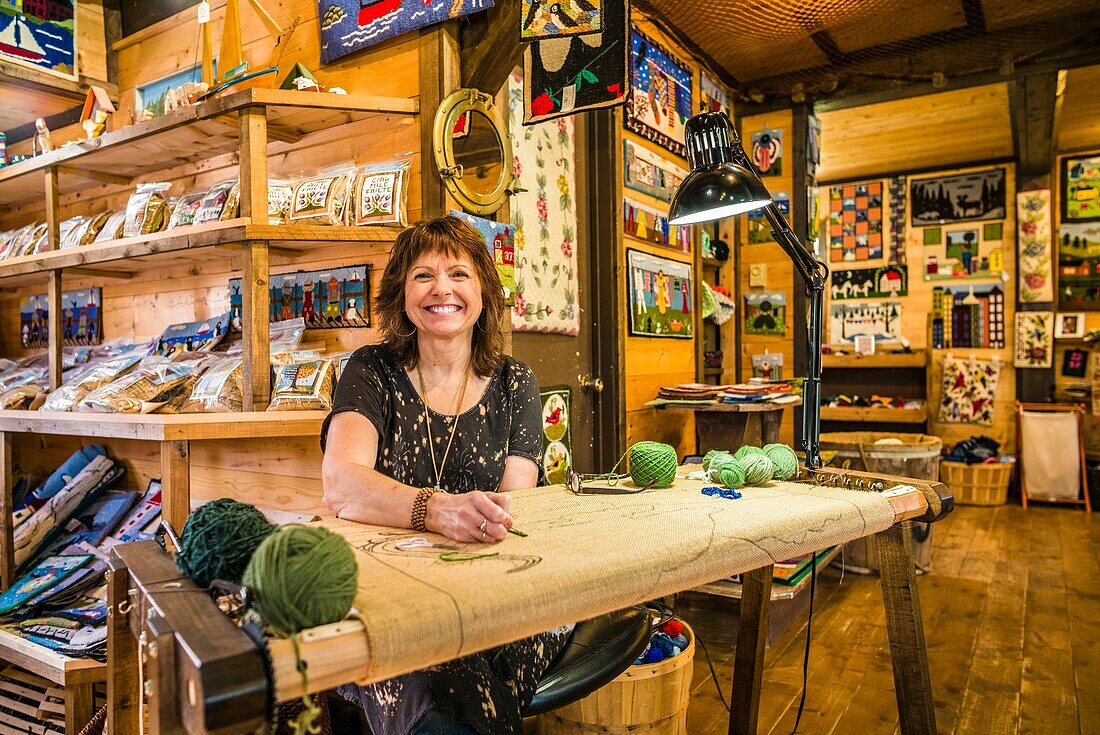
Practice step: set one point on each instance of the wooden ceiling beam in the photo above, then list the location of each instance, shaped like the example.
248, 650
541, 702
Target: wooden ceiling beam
828, 46
1035, 108
489, 46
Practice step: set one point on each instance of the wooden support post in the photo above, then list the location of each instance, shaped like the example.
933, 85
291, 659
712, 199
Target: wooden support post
53, 210
912, 683
439, 75
79, 705
54, 327
7, 529
175, 481
253, 138
164, 714
748, 662
123, 694
255, 307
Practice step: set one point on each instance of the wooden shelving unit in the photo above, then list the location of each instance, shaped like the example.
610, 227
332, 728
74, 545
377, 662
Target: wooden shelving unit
875, 415
77, 675
912, 359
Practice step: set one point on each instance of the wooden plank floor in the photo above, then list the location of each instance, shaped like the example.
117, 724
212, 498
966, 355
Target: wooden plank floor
1012, 619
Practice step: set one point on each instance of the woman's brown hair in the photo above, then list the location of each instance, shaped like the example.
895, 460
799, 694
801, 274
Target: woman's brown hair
456, 238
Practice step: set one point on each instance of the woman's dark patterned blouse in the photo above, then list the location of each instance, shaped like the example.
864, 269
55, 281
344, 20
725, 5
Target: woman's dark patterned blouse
487, 691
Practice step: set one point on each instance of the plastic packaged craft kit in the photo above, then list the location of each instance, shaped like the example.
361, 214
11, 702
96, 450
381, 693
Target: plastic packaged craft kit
147, 209
302, 386
24, 397
279, 195
214, 202
112, 228
378, 195
218, 390
154, 381
95, 376
321, 200
85, 231
186, 209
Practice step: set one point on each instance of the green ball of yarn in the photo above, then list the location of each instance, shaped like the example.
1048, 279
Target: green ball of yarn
653, 461
727, 471
713, 456
783, 459
302, 577
758, 468
218, 541
746, 451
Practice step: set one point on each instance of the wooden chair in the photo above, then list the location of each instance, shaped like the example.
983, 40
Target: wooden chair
1022, 409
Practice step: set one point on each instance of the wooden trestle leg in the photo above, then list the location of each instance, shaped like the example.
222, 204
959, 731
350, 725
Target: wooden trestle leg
748, 661
912, 683
123, 693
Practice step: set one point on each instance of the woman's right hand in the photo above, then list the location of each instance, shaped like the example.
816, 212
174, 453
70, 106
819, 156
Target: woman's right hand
476, 516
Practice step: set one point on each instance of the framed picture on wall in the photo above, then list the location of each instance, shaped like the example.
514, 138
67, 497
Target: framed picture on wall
1069, 326
1081, 189
660, 296
959, 198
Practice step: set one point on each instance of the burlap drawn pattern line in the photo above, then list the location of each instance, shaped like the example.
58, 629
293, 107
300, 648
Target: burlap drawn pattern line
584, 556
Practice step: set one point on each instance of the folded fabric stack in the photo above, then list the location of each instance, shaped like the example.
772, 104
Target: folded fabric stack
875, 401
688, 394
63, 532
754, 391
976, 450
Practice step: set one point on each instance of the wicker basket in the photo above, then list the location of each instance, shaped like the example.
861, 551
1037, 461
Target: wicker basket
977, 484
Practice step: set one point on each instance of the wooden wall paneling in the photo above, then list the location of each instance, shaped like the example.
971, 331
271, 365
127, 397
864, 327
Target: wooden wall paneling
440, 74
780, 269
91, 41
1079, 129
916, 307
939, 130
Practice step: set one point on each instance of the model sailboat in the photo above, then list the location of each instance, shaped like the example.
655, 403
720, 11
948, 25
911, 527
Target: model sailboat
231, 57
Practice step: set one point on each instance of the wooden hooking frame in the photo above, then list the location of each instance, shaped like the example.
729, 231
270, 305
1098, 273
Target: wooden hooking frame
1052, 408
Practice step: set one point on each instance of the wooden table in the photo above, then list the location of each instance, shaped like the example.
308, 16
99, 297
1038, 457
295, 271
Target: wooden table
203, 674
724, 425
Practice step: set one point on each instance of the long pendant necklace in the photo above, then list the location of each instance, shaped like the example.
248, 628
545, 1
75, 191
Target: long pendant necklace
438, 469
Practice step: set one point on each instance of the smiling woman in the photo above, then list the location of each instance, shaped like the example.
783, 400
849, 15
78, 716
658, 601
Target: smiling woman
429, 430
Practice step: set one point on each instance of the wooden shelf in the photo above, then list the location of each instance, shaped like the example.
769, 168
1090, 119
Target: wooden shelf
876, 415
132, 256
166, 427
189, 135
915, 358
49, 664
729, 588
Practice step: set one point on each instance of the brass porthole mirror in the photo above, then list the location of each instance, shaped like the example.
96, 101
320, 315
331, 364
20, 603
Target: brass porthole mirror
473, 150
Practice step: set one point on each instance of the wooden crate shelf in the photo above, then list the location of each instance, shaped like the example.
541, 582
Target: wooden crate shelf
913, 359
49, 664
166, 427
875, 414
189, 135
135, 256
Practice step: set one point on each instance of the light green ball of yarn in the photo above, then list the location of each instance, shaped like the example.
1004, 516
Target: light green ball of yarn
758, 468
728, 472
714, 456
653, 462
302, 577
746, 451
784, 460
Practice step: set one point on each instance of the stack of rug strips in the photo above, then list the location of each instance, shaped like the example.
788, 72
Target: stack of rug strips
761, 392
688, 394
63, 532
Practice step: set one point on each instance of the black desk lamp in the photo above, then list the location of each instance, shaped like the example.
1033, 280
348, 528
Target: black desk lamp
723, 183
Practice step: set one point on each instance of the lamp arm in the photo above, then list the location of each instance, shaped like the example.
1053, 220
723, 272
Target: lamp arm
814, 274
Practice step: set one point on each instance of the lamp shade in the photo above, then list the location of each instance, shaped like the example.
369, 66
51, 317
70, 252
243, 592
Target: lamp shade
717, 191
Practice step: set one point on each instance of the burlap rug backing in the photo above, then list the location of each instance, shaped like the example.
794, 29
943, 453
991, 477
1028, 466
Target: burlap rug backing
584, 556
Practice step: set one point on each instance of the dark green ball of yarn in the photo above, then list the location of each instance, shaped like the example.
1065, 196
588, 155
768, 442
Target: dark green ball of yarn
218, 540
302, 577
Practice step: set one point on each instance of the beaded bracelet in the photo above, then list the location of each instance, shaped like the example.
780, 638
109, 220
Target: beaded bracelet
420, 508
